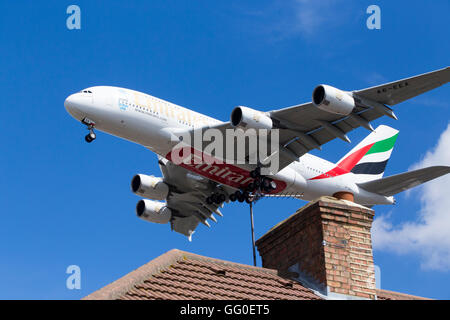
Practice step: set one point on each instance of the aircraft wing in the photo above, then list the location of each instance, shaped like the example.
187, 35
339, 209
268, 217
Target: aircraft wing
398, 91
187, 198
305, 127
392, 185
308, 127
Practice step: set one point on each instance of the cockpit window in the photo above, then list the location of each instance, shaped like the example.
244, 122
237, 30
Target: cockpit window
86, 91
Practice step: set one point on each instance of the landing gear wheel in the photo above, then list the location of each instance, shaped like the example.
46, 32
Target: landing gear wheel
268, 184
251, 187
273, 185
255, 173
248, 197
89, 137
215, 198
265, 183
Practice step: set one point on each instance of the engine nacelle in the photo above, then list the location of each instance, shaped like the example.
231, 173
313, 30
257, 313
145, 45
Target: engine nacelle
153, 211
149, 187
333, 100
249, 118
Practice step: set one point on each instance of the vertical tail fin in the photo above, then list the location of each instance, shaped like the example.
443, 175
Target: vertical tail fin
369, 158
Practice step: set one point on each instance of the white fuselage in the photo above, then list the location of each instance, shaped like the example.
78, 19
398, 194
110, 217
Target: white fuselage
150, 121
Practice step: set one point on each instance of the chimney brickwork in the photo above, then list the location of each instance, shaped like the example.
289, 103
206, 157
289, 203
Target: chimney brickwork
328, 244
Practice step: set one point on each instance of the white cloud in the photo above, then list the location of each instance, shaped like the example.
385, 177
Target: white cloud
431, 102
429, 234
309, 15
306, 18
374, 78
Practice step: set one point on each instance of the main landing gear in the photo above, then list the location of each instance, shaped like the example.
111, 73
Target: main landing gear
259, 185
216, 198
90, 126
251, 194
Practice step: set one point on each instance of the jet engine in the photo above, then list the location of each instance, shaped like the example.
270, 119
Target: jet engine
247, 118
149, 187
333, 100
153, 211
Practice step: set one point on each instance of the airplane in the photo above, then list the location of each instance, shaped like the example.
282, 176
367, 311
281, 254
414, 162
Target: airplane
193, 192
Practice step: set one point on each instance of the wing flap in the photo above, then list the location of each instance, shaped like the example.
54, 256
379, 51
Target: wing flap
185, 225
392, 185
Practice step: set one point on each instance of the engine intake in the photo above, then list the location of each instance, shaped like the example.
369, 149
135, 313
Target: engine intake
150, 187
153, 211
333, 100
249, 118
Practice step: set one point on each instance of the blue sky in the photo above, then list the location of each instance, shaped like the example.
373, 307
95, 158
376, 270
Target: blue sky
66, 202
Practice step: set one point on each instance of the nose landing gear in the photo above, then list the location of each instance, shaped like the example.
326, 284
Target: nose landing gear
90, 126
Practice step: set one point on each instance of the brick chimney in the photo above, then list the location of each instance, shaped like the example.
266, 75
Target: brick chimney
326, 245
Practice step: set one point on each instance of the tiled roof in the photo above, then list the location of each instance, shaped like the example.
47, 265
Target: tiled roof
391, 295
187, 276
182, 275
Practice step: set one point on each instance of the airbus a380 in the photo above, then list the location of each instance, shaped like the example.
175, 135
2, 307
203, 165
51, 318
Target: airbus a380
192, 192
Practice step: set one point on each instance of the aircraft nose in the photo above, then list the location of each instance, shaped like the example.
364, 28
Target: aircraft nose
71, 105
69, 102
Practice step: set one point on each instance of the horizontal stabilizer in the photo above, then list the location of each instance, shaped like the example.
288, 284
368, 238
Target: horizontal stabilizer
400, 182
